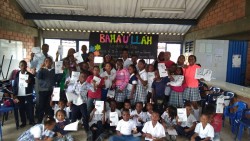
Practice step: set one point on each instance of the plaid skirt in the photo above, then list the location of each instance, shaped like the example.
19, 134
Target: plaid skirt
128, 93
141, 94
120, 97
191, 94
176, 99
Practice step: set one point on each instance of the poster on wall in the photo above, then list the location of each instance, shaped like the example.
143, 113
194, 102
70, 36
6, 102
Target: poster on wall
143, 45
236, 61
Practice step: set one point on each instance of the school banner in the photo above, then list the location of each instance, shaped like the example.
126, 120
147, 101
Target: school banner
143, 45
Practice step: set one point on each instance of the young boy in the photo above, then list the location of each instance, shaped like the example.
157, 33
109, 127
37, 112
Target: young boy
127, 106
139, 116
24, 94
124, 129
203, 130
187, 128
153, 130
112, 109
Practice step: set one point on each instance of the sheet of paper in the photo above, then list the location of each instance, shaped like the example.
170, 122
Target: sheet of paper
72, 126
71, 96
98, 60
172, 132
178, 80
22, 79
99, 105
97, 80
151, 77
113, 117
56, 94
163, 73
74, 76
236, 61
60, 50
58, 67
161, 66
36, 50
206, 74
182, 114
219, 104
21, 91
111, 93
78, 57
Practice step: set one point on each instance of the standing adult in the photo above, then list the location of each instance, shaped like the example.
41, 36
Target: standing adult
84, 52
167, 61
126, 60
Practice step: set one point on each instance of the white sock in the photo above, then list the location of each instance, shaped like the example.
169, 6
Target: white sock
197, 114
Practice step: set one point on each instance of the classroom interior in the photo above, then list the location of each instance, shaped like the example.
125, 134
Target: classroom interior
215, 31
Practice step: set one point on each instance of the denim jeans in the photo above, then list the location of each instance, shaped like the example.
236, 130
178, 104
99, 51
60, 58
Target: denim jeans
90, 104
124, 138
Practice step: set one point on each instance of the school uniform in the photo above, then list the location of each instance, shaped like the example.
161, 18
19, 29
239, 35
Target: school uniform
125, 128
157, 131
26, 106
108, 82
203, 133
141, 91
66, 109
132, 81
186, 125
36, 132
59, 128
121, 82
112, 128
96, 122
126, 63
169, 122
142, 115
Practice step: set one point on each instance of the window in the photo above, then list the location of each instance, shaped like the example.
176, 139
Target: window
175, 50
83, 43
53, 46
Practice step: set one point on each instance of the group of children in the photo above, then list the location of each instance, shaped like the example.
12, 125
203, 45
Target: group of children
154, 102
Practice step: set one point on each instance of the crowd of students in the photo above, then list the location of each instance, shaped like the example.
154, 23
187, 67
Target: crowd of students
143, 106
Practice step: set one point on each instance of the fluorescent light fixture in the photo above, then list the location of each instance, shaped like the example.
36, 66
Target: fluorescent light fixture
163, 10
63, 7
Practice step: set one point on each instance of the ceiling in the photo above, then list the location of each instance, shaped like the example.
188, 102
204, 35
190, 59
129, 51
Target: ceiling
103, 11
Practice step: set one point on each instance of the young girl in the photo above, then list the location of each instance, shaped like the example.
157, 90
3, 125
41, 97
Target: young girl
90, 61
151, 77
139, 116
40, 131
130, 91
61, 105
149, 108
176, 94
126, 106
46, 76
96, 94
121, 82
141, 89
61, 122
108, 75
203, 130
191, 92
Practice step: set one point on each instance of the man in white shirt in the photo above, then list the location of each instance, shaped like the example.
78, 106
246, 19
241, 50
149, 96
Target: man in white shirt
126, 60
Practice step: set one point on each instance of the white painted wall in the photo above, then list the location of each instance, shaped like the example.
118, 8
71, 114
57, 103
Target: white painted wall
213, 54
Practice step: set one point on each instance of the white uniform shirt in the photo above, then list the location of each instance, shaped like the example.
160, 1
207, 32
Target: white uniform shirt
142, 115
208, 131
66, 109
144, 76
126, 63
111, 77
125, 127
190, 120
81, 91
96, 118
157, 132
116, 110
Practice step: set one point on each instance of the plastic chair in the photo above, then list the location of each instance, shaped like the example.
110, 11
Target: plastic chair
244, 123
235, 117
230, 96
212, 98
4, 110
216, 89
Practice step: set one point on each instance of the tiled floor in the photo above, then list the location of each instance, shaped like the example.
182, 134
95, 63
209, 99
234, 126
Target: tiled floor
11, 134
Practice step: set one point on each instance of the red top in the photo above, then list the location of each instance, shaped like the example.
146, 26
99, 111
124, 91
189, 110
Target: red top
179, 88
168, 63
217, 122
98, 92
189, 75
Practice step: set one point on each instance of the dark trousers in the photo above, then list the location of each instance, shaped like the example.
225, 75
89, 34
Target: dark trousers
104, 94
75, 110
26, 107
181, 132
44, 106
198, 138
96, 133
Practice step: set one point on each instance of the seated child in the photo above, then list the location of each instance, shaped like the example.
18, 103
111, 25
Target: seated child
40, 131
112, 109
61, 122
139, 116
186, 128
203, 130
149, 108
124, 128
153, 130
127, 106
61, 105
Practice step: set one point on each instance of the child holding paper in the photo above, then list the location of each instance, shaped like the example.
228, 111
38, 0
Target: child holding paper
23, 94
141, 88
96, 93
153, 130
131, 87
79, 105
151, 77
203, 130
61, 122
46, 77
112, 105
139, 116
125, 128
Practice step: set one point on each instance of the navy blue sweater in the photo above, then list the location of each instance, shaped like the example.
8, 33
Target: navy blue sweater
28, 89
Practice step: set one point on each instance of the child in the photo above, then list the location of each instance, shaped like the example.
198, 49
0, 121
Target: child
84, 66
46, 77
191, 92
108, 75
150, 70
186, 128
176, 94
203, 130
79, 105
139, 116
141, 89
149, 108
153, 130
127, 106
124, 128
60, 106
158, 91
121, 82
112, 109
24, 94
61, 122
96, 94
40, 131
130, 91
